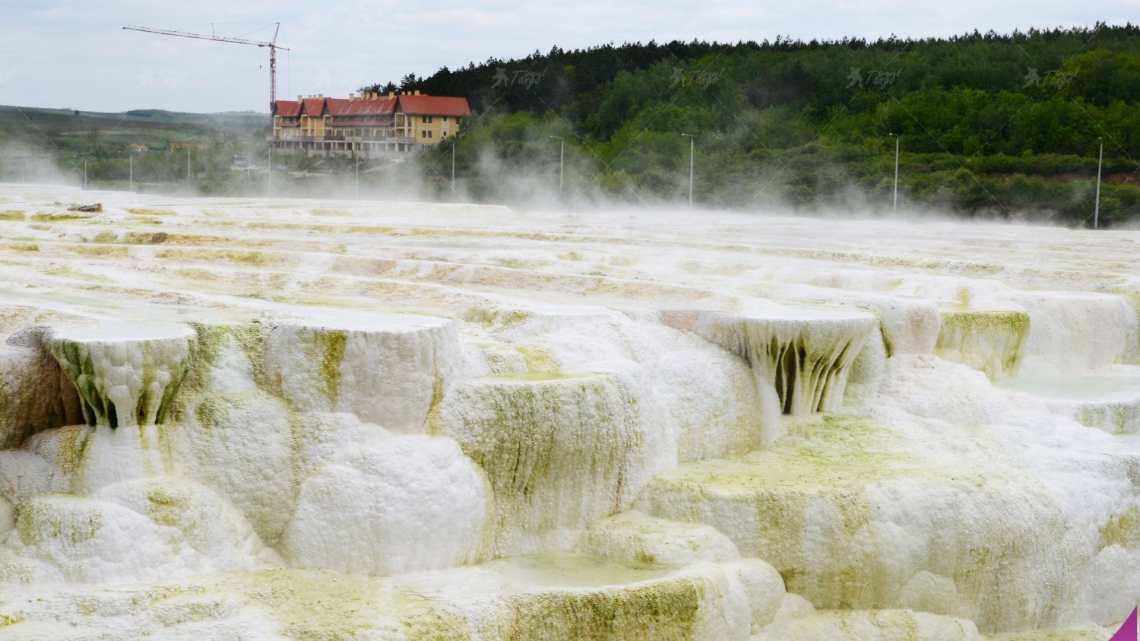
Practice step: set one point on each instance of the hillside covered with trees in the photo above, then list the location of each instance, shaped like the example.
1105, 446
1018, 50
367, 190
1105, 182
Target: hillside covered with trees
991, 125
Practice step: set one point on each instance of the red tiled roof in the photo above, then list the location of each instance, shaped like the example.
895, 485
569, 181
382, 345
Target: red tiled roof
361, 106
287, 108
314, 107
434, 105
380, 106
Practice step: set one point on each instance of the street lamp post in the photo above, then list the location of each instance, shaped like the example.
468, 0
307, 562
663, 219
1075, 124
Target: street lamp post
1099, 160
895, 207
692, 148
561, 156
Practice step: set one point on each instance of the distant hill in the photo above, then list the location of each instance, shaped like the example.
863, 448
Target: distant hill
65, 131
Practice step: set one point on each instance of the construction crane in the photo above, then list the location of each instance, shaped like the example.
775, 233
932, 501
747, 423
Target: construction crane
273, 47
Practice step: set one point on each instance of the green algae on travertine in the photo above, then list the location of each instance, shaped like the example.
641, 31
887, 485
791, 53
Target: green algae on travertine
112, 395
42, 520
987, 340
331, 345
816, 505
541, 436
1122, 529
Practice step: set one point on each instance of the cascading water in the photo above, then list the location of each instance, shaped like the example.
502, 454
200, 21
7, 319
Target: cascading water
304, 420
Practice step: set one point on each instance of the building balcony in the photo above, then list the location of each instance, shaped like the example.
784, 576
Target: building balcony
399, 139
345, 139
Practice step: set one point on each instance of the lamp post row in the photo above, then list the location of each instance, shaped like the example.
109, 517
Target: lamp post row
1099, 166
692, 148
692, 167
895, 206
1096, 207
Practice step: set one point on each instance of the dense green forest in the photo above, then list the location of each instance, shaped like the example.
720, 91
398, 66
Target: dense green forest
989, 125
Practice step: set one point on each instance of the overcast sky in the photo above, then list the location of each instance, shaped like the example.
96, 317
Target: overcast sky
76, 55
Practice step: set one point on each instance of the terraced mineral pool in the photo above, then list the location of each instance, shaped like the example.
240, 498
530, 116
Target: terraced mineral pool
271, 419
1121, 386
1107, 399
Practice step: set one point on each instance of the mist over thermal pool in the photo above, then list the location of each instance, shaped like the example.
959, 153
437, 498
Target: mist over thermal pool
253, 419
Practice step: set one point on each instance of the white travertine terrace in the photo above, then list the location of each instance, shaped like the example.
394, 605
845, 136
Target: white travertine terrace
225, 418
804, 357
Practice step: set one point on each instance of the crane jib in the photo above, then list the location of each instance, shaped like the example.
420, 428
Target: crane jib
273, 47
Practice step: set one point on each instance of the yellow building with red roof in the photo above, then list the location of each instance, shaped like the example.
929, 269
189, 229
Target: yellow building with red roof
366, 126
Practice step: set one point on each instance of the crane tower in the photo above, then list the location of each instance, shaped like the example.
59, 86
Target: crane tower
273, 47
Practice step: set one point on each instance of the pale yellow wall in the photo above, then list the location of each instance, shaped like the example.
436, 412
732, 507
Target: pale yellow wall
284, 132
312, 126
438, 126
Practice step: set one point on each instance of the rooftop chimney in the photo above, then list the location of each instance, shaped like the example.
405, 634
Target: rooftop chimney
320, 96
391, 94
351, 96
416, 92
300, 97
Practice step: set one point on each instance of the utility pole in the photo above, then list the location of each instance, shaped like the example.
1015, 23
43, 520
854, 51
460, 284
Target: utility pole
895, 208
692, 146
1099, 160
561, 157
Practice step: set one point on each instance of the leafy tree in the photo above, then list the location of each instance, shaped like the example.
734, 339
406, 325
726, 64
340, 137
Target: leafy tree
95, 147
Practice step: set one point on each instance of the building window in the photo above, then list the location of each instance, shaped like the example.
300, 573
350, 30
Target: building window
445, 118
